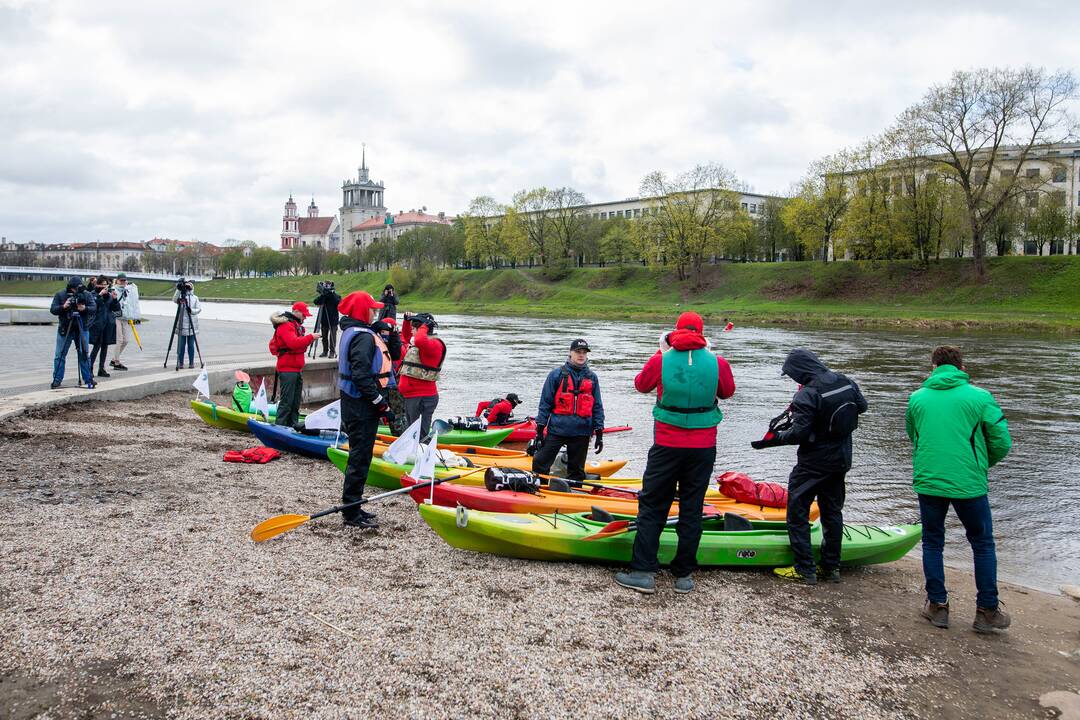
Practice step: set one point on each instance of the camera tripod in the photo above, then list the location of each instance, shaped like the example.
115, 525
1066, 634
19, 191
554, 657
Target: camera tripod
181, 307
319, 317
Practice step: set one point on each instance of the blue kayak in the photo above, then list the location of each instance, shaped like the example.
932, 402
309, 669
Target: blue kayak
286, 439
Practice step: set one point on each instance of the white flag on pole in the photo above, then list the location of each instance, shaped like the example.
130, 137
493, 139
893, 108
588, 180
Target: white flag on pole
405, 449
202, 384
325, 418
424, 469
260, 402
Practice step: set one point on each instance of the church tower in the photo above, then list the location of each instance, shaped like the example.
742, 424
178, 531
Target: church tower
290, 226
312, 209
361, 199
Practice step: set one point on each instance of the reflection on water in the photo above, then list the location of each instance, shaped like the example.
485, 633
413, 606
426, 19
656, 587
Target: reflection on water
1035, 491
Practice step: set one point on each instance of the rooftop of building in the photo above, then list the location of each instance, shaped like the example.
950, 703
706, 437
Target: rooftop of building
412, 217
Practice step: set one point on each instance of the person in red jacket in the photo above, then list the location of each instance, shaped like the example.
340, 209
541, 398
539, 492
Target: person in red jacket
289, 345
419, 374
688, 379
500, 413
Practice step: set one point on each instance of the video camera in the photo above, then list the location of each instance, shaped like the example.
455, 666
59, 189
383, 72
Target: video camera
324, 286
183, 286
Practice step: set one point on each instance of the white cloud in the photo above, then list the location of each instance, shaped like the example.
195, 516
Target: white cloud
124, 120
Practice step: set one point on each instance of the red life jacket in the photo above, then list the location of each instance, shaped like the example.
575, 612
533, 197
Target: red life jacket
570, 400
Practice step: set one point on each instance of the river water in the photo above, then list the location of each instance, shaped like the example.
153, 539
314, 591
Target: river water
1034, 492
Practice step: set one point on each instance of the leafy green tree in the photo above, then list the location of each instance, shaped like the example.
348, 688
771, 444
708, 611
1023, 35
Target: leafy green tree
775, 236
482, 242
535, 208
817, 211
514, 237
1046, 223
616, 243
568, 222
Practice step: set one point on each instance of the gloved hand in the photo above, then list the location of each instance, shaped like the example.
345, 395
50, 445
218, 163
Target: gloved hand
770, 440
540, 430
388, 414
599, 446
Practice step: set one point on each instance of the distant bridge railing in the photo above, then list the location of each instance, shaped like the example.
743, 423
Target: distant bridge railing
63, 273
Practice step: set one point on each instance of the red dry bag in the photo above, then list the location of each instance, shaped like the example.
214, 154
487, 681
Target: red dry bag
742, 488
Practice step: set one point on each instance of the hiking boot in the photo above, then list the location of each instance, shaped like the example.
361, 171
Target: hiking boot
101, 373
364, 521
54, 385
987, 621
118, 366
322, 354
684, 584
643, 582
832, 576
790, 573
936, 613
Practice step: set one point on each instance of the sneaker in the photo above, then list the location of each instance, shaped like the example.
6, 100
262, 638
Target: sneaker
790, 573
118, 366
643, 582
54, 385
684, 585
832, 576
90, 386
936, 613
987, 621
101, 373
322, 354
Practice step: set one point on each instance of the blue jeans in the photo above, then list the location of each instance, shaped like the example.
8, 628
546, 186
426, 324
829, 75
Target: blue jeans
63, 344
185, 342
974, 513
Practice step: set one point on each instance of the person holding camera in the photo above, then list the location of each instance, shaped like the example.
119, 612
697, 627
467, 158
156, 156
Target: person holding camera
419, 374
187, 323
102, 330
127, 293
389, 300
74, 308
327, 321
290, 345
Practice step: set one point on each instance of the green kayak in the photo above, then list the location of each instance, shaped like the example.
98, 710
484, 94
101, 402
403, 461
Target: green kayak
381, 474
562, 538
222, 416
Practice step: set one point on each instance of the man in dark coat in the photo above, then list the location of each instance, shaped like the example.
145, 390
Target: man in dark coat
570, 412
822, 415
328, 300
102, 330
74, 308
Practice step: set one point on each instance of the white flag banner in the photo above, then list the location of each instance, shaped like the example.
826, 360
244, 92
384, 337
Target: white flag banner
202, 384
325, 418
405, 449
424, 469
260, 402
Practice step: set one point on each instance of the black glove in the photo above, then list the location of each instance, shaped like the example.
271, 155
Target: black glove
389, 415
599, 446
540, 430
770, 440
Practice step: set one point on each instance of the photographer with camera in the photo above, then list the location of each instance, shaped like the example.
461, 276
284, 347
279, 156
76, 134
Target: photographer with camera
127, 293
327, 320
389, 300
186, 324
74, 308
419, 374
102, 330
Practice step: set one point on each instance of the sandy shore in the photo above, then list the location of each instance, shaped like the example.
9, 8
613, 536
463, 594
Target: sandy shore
129, 588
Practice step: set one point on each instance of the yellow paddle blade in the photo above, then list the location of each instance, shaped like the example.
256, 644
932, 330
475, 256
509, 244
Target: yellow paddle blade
276, 526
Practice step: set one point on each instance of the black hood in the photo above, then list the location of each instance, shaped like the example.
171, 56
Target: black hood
348, 322
802, 366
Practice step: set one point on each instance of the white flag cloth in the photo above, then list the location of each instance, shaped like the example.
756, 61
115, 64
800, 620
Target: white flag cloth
404, 450
424, 469
202, 383
260, 403
325, 418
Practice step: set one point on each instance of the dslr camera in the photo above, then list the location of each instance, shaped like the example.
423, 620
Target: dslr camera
324, 286
183, 286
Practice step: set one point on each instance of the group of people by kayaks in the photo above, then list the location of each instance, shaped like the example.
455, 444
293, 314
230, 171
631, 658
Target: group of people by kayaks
957, 430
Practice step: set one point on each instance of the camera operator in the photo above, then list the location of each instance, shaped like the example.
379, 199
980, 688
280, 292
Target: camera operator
130, 315
328, 299
188, 323
102, 330
73, 307
389, 300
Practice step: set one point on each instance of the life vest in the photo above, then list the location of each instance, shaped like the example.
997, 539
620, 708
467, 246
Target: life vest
571, 400
412, 367
381, 365
837, 415
690, 378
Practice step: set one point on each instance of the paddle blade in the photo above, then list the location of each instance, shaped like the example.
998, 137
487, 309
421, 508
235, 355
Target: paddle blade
276, 526
612, 528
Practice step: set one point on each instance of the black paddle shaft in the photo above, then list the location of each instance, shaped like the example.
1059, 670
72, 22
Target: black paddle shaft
380, 496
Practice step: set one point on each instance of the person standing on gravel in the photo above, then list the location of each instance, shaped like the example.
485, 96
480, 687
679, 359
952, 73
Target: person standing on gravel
289, 345
959, 433
570, 412
688, 379
365, 371
130, 315
418, 377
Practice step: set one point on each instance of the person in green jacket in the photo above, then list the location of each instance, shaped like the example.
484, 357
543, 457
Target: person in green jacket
958, 433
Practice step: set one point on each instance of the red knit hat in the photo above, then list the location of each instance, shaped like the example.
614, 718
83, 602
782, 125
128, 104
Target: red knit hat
355, 305
690, 321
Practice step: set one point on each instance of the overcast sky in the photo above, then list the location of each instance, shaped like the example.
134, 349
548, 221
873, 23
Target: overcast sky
130, 120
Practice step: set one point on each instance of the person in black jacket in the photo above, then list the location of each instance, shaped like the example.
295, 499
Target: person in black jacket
74, 308
365, 372
822, 415
102, 330
389, 302
328, 300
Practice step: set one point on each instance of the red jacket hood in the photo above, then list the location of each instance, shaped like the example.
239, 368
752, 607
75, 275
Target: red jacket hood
686, 340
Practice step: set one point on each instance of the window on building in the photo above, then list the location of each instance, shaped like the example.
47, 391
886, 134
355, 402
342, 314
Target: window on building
1058, 174
978, 178
1006, 173
753, 208
618, 213
744, 206
637, 212
1058, 198
1033, 172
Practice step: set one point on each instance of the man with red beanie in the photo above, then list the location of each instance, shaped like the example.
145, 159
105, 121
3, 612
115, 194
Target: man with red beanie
365, 374
419, 374
688, 379
289, 345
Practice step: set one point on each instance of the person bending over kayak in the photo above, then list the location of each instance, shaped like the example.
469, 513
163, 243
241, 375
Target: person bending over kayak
688, 379
499, 413
570, 412
824, 413
290, 345
420, 368
959, 433
364, 375
242, 394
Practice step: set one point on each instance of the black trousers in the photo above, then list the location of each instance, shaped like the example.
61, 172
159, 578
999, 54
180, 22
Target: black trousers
292, 389
577, 448
804, 486
329, 336
686, 470
360, 421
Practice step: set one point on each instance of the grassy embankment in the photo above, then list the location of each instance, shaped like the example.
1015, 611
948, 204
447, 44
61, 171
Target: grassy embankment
1022, 293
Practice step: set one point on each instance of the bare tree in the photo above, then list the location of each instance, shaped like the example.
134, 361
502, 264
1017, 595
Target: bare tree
568, 220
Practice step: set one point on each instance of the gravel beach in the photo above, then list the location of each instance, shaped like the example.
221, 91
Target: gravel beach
129, 588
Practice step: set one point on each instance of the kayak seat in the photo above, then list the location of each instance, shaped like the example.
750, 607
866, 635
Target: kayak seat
599, 514
736, 523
